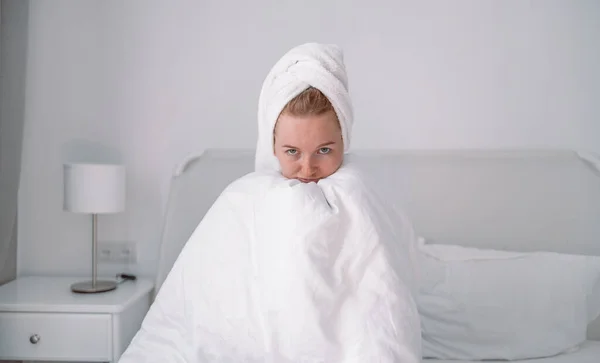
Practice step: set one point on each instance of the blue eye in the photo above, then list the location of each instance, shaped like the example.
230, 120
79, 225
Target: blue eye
324, 150
291, 152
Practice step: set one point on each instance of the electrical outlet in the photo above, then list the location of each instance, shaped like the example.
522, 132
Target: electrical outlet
117, 252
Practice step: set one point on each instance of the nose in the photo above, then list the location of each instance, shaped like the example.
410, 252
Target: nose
308, 168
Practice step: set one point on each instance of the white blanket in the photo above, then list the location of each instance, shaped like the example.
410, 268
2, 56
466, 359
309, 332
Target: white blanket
280, 271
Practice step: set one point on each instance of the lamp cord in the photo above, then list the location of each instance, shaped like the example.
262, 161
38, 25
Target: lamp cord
122, 277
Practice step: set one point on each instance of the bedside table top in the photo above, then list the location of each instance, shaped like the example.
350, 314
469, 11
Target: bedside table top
53, 294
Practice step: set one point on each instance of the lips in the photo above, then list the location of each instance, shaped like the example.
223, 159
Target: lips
308, 180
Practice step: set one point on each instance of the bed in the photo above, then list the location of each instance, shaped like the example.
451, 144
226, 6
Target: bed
520, 200
589, 352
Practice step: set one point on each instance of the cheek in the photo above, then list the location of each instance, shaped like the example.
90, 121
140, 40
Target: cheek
287, 165
335, 161
330, 164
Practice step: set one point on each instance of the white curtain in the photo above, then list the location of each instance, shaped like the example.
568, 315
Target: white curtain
13, 52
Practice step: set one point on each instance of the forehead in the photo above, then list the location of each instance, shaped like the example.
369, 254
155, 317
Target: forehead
290, 128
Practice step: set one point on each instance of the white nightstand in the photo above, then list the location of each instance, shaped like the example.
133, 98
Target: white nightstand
41, 319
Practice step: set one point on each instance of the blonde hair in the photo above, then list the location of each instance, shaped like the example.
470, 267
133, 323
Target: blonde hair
308, 103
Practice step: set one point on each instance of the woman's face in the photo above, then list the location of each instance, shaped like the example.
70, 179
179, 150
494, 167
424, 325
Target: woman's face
309, 148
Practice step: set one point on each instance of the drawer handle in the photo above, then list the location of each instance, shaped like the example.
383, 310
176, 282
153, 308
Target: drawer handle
34, 339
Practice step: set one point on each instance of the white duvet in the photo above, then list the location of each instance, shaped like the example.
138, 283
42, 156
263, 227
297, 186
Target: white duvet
280, 271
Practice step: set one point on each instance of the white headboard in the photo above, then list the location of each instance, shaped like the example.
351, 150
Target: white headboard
504, 199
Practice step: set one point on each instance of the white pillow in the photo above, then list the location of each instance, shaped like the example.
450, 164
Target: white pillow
484, 304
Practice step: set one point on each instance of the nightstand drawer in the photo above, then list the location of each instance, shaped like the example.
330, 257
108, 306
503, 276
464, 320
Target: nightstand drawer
85, 337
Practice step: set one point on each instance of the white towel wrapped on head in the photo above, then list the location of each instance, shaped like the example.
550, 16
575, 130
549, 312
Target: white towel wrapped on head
309, 65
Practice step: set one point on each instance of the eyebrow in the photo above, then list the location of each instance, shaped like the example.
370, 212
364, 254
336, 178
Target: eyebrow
324, 144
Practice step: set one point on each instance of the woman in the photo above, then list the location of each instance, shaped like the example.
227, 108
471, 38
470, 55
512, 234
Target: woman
298, 261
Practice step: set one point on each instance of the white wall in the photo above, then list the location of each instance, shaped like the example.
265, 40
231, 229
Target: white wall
147, 82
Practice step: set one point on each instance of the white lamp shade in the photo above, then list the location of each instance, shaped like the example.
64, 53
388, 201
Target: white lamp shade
94, 188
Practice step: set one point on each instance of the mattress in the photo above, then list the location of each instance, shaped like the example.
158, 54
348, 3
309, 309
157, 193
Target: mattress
588, 352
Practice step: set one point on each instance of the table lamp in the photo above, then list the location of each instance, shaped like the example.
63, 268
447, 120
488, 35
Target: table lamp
94, 189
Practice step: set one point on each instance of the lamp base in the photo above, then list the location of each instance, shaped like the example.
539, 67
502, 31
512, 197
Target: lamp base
88, 287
